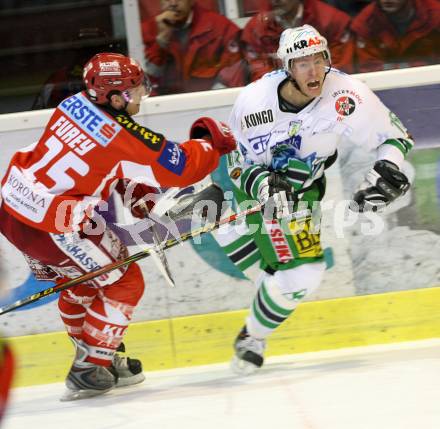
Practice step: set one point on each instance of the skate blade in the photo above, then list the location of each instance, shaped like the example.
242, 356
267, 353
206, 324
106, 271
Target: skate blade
130, 381
75, 395
242, 367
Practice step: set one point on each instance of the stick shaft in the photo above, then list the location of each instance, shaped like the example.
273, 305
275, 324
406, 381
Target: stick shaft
133, 258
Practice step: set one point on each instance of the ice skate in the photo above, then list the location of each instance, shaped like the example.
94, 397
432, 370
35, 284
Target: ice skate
248, 353
128, 370
86, 379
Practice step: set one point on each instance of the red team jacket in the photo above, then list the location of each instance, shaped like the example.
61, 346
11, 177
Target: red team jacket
380, 47
82, 154
262, 33
212, 46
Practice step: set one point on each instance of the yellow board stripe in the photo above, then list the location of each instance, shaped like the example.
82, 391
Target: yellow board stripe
208, 338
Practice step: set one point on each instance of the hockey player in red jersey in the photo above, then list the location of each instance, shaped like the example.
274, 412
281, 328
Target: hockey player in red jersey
90, 143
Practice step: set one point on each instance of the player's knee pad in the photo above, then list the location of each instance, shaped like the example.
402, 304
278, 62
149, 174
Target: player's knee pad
296, 283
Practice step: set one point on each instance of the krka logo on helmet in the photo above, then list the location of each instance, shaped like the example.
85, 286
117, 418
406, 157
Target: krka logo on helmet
313, 41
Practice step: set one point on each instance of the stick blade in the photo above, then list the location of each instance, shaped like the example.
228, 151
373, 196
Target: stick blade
161, 263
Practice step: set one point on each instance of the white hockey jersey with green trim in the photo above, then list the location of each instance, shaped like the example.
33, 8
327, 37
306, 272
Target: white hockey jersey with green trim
346, 109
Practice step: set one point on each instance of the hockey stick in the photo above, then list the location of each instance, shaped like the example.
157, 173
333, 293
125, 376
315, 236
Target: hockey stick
136, 257
177, 209
157, 252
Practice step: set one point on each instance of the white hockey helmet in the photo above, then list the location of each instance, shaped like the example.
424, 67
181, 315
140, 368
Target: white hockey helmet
300, 42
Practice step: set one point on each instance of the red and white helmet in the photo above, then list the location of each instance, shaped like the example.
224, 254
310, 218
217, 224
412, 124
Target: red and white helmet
300, 42
107, 72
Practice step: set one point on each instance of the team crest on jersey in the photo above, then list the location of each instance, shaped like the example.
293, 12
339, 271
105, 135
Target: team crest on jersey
345, 106
294, 127
349, 93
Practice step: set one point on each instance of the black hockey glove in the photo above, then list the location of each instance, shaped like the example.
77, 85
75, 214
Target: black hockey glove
276, 195
383, 184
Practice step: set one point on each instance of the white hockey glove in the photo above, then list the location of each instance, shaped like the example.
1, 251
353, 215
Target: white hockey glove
383, 184
277, 197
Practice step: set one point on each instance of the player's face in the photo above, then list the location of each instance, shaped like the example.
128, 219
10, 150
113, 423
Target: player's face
136, 94
392, 6
284, 7
309, 73
181, 8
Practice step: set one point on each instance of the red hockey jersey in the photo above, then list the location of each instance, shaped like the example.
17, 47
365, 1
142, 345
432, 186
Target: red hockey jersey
84, 150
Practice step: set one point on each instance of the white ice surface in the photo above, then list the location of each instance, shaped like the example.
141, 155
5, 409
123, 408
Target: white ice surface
378, 387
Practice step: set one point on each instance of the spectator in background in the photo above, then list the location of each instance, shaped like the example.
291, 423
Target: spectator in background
351, 7
68, 80
188, 48
394, 34
261, 34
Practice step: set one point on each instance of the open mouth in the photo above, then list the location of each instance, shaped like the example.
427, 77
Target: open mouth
314, 85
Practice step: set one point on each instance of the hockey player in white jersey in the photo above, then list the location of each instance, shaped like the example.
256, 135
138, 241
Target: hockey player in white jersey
288, 125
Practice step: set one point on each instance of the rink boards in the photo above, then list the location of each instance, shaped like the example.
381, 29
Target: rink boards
204, 339
381, 289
